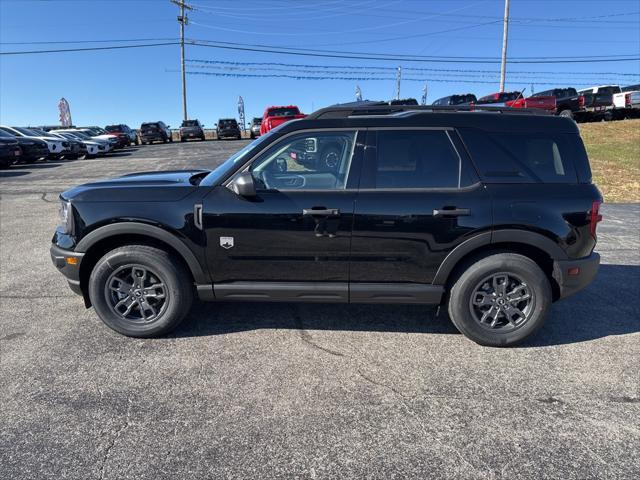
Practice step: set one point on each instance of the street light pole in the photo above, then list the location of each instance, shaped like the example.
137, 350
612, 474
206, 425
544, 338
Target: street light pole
505, 31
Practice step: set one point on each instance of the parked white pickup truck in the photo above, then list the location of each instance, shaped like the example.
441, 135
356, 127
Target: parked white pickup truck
622, 98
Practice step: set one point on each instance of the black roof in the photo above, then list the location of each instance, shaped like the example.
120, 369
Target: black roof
484, 117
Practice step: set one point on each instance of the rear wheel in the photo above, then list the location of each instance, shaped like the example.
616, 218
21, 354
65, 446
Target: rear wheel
500, 300
140, 291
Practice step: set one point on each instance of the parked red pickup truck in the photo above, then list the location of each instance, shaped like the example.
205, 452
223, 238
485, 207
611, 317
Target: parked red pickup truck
541, 103
516, 100
274, 116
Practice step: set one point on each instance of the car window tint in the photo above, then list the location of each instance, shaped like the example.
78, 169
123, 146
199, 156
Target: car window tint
308, 161
523, 157
416, 159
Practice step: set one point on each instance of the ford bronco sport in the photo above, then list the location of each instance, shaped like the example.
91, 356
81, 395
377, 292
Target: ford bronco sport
490, 213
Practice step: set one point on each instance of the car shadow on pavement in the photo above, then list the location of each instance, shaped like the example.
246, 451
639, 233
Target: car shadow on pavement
35, 166
593, 313
226, 317
609, 306
13, 173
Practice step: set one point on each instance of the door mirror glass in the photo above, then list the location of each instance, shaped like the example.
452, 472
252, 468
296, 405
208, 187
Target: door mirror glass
243, 185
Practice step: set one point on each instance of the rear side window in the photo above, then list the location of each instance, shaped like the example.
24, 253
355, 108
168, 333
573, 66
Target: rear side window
416, 159
526, 157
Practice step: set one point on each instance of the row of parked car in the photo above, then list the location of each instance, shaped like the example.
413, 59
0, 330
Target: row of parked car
605, 102
30, 144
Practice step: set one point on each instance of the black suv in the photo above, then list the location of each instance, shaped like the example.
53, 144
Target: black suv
191, 129
491, 213
452, 100
228, 128
155, 131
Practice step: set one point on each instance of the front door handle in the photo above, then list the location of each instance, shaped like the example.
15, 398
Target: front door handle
321, 212
454, 212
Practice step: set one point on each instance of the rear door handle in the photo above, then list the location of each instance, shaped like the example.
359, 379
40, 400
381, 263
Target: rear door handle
454, 212
321, 212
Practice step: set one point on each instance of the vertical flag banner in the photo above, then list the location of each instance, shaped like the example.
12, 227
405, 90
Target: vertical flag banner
241, 114
358, 94
65, 113
424, 95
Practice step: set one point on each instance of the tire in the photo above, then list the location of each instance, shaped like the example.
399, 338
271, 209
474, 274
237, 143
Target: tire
566, 114
137, 141
165, 140
203, 138
252, 136
107, 290
475, 285
330, 158
182, 139
4, 164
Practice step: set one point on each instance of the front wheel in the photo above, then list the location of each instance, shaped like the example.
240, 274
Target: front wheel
140, 291
500, 300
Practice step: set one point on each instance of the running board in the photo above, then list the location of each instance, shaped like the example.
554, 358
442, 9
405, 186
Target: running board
324, 292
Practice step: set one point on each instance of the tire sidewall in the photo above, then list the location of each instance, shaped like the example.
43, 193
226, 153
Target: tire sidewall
178, 299
518, 265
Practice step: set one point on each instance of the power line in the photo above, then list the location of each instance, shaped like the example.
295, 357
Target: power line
347, 55
471, 80
388, 68
87, 49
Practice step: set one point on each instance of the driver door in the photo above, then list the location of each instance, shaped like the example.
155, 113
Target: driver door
291, 241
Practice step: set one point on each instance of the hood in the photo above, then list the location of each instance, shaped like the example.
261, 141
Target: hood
137, 187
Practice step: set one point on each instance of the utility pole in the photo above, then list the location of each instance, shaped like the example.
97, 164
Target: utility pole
398, 79
505, 31
183, 20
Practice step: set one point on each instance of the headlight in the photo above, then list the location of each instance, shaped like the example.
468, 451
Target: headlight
66, 217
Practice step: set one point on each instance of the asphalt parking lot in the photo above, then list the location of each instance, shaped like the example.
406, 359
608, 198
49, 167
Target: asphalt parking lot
303, 391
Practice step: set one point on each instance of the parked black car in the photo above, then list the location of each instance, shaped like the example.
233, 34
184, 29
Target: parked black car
451, 100
10, 152
155, 132
228, 128
32, 149
492, 216
191, 129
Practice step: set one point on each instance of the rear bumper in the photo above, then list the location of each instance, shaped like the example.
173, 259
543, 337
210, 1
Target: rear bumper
60, 258
574, 275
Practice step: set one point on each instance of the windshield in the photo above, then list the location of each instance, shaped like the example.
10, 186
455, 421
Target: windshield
149, 126
227, 123
190, 123
283, 112
222, 170
257, 121
27, 132
81, 135
114, 128
41, 133
4, 134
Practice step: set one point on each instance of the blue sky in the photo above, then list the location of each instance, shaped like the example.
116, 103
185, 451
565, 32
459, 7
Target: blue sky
143, 84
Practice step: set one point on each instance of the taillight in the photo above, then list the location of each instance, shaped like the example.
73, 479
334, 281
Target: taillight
627, 100
595, 217
581, 100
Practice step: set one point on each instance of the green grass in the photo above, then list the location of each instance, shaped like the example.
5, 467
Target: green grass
614, 154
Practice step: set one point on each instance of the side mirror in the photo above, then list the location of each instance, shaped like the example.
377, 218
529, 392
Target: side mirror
243, 185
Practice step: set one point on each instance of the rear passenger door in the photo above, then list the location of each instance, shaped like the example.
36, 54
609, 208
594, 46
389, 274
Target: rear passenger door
419, 198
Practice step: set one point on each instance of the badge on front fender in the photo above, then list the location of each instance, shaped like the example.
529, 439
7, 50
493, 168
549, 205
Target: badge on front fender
226, 242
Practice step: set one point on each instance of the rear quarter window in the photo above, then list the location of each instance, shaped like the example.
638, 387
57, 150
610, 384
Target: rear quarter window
527, 157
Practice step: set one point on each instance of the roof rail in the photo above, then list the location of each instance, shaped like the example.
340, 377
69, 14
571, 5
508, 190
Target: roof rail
370, 108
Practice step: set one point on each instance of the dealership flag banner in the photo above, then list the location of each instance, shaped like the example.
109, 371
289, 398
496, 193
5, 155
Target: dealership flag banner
65, 113
241, 112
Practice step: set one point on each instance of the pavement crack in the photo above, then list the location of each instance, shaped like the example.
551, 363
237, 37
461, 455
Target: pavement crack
380, 384
43, 197
125, 425
308, 339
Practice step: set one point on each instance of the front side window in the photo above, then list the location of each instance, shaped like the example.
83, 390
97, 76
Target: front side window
306, 161
416, 159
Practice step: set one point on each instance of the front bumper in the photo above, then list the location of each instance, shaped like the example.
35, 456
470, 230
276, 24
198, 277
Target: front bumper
64, 261
228, 133
574, 275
